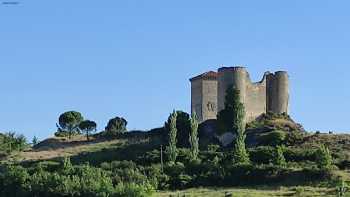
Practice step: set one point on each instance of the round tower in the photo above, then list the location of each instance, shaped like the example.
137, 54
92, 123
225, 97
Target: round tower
278, 92
236, 76
282, 87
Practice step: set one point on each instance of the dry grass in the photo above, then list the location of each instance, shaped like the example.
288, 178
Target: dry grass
60, 147
251, 192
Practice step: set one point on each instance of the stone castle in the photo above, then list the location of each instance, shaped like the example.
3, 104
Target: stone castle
271, 94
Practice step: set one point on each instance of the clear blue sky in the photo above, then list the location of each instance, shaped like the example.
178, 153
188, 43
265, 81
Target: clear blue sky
134, 58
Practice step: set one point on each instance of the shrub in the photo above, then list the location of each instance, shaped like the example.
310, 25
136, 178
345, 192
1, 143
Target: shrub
156, 177
299, 154
262, 154
134, 190
279, 159
82, 180
273, 138
294, 137
324, 158
177, 176
11, 141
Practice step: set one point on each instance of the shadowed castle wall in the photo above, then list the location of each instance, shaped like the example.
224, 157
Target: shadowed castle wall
278, 92
204, 96
252, 95
196, 98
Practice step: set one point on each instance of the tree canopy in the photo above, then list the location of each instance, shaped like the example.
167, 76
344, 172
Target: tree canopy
88, 126
116, 125
68, 122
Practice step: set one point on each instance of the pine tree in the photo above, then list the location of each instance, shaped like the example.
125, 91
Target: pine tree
324, 157
172, 150
193, 137
240, 153
279, 159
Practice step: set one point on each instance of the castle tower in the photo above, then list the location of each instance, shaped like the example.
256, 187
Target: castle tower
236, 76
277, 92
204, 96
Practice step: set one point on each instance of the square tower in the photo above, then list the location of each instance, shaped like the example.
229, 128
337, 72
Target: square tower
204, 96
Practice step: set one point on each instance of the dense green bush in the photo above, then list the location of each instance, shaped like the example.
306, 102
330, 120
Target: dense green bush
294, 137
299, 154
69, 180
115, 127
273, 138
11, 141
177, 176
262, 154
324, 158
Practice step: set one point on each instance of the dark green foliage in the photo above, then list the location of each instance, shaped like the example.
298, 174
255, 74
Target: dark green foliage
324, 158
262, 154
88, 126
227, 118
342, 189
69, 180
171, 148
273, 138
294, 137
240, 154
183, 126
68, 124
176, 173
299, 154
193, 138
116, 126
11, 141
279, 159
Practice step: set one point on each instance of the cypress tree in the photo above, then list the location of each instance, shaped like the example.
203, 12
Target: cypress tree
227, 118
240, 153
193, 137
172, 150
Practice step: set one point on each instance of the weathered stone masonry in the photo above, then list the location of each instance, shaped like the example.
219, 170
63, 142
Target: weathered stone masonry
208, 92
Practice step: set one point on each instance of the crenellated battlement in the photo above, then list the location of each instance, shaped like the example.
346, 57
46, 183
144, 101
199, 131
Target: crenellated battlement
233, 68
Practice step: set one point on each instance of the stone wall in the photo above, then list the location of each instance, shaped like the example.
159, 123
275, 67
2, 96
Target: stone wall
255, 103
204, 96
196, 98
209, 99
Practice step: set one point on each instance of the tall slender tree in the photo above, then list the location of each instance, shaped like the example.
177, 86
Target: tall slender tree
193, 137
240, 153
172, 150
227, 117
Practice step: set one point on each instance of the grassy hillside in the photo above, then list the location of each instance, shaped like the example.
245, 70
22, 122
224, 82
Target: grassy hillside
135, 157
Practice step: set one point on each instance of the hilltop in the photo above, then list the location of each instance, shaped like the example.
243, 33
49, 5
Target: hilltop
131, 155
